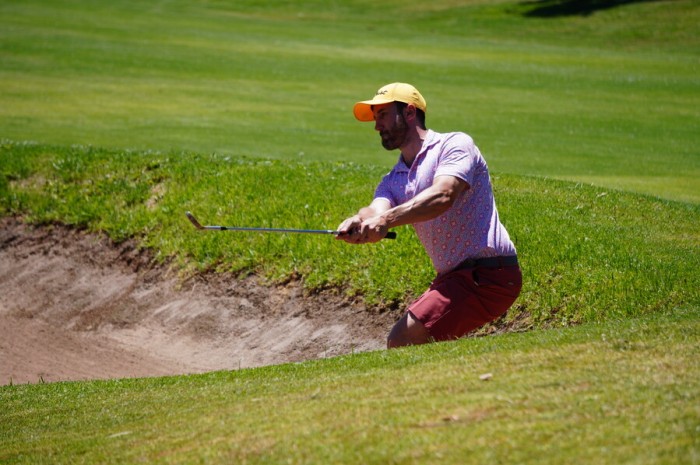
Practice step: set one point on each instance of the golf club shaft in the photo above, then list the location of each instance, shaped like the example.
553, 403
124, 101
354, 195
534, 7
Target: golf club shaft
275, 230
193, 220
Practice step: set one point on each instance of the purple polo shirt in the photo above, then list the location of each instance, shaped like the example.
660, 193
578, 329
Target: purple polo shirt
470, 228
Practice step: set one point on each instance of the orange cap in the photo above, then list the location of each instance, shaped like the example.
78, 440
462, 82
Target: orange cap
395, 92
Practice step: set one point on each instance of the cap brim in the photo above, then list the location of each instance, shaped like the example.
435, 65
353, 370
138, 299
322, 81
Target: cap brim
363, 110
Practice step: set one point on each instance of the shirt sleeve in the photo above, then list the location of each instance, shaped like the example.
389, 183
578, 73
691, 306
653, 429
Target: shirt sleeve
458, 158
383, 190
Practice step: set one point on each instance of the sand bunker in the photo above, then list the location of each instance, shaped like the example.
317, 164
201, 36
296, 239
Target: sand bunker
76, 306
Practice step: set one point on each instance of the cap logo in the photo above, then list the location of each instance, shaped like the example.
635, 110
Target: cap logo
381, 92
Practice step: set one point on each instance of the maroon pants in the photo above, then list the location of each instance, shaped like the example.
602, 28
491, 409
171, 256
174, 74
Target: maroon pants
465, 299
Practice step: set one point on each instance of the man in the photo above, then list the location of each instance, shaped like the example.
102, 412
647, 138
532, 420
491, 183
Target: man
441, 185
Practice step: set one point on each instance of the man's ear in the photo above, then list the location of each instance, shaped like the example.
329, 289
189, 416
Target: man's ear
409, 112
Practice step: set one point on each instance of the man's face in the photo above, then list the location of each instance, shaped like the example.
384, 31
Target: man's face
391, 125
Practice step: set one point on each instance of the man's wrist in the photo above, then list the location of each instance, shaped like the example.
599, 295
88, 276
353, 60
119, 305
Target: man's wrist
365, 213
388, 218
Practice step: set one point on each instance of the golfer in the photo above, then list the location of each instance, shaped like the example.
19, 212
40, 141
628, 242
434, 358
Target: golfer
441, 186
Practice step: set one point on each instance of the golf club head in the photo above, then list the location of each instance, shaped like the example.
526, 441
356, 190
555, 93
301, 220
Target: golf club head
193, 220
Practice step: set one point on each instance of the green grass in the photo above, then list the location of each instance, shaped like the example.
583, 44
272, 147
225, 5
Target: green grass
627, 393
588, 254
574, 98
119, 116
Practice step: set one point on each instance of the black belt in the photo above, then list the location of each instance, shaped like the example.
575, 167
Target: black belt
489, 262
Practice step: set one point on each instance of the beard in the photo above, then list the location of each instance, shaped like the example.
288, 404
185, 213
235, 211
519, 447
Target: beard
395, 136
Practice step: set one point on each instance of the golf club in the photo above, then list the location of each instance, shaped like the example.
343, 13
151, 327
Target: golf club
198, 225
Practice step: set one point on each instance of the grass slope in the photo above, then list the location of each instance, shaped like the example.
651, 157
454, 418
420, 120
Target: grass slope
627, 393
573, 97
588, 254
241, 113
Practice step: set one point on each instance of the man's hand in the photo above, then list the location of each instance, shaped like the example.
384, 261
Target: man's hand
348, 230
374, 229
355, 231
367, 226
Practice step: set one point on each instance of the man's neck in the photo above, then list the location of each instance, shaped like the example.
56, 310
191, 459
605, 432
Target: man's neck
411, 149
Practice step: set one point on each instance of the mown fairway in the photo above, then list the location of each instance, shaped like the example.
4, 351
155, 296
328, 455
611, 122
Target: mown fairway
611, 98
119, 116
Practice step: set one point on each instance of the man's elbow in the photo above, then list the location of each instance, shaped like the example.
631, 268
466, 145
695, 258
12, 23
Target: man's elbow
445, 201
448, 193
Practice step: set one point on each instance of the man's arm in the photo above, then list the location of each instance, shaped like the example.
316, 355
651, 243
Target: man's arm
429, 204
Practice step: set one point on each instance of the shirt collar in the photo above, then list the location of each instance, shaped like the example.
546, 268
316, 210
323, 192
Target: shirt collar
431, 138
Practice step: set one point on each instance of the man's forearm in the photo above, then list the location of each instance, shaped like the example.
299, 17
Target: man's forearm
427, 205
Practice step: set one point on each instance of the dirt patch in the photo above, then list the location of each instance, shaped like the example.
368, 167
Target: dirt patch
77, 306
